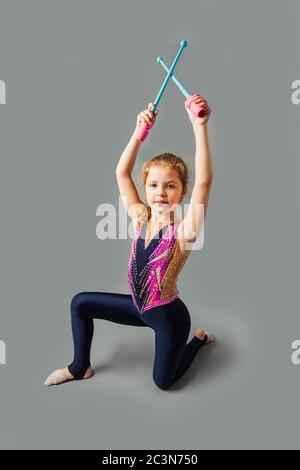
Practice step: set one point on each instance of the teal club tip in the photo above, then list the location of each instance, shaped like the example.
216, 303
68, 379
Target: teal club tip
183, 43
159, 59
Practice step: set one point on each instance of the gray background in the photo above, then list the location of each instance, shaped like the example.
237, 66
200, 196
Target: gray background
77, 74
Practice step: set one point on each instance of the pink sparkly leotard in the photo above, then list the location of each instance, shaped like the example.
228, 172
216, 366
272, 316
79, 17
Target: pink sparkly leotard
153, 271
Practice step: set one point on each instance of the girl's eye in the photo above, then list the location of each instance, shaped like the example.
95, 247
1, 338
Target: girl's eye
170, 185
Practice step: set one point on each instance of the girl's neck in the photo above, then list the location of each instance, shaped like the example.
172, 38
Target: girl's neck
156, 221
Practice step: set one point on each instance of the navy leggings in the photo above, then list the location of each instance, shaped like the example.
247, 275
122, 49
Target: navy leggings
170, 322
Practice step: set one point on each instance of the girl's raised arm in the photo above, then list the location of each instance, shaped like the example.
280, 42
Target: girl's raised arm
194, 219
127, 188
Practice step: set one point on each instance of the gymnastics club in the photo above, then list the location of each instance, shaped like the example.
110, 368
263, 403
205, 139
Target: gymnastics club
143, 127
196, 109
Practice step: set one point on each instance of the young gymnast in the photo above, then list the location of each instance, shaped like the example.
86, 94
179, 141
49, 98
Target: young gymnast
160, 248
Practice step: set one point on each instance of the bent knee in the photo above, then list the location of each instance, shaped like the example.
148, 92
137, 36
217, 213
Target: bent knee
162, 383
77, 301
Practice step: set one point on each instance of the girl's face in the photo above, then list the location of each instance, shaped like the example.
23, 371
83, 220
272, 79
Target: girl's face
163, 189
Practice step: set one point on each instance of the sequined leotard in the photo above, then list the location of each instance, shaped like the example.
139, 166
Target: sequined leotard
153, 271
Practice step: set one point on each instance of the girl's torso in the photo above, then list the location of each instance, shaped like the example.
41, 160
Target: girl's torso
154, 265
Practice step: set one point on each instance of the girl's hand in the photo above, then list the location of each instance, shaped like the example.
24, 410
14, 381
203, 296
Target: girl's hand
147, 116
196, 121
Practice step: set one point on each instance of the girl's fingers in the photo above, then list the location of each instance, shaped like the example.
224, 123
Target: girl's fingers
203, 103
146, 118
150, 116
199, 100
151, 106
149, 113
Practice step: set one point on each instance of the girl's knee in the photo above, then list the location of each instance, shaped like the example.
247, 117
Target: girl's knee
76, 302
162, 382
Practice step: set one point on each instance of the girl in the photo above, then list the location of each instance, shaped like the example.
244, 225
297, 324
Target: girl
160, 248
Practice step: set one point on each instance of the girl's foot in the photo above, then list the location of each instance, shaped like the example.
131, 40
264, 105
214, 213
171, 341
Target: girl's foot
63, 375
200, 333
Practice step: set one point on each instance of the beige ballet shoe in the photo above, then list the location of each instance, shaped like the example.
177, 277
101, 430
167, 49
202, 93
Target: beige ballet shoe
60, 376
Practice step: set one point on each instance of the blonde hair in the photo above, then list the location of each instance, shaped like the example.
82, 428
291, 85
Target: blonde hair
175, 163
